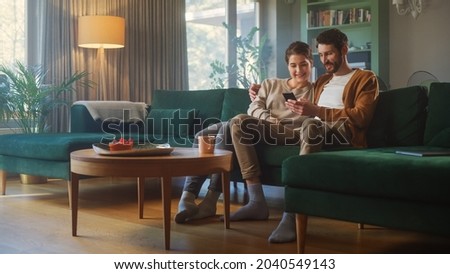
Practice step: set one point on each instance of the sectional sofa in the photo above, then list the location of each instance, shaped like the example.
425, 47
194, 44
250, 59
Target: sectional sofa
173, 117
377, 185
372, 186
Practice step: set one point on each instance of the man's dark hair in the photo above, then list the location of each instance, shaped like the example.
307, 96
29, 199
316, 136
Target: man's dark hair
333, 37
297, 48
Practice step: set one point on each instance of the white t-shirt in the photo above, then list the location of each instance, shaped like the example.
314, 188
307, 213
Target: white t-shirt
331, 96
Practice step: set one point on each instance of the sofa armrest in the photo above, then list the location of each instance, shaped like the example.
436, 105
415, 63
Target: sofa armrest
82, 121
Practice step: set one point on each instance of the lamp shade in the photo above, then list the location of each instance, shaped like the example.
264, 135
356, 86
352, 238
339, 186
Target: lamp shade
101, 32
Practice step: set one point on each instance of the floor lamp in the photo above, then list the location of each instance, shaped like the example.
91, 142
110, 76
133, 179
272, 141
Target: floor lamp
101, 32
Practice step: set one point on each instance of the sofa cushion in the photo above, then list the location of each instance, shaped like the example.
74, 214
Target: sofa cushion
438, 111
376, 172
82, 121
178, 122
117, 127
208, 104
236, 101
49, 146
399, 119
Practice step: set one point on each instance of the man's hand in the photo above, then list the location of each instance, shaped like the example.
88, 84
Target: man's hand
253, 91
302, 107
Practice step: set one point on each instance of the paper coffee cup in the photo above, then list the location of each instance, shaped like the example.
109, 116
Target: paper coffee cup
206, 144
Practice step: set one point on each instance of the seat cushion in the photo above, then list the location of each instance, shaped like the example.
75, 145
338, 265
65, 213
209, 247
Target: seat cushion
372, 173
48, 146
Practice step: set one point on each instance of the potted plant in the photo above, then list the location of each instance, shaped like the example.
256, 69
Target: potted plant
26, 101
251, 65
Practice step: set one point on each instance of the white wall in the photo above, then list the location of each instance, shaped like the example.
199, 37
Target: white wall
421, 44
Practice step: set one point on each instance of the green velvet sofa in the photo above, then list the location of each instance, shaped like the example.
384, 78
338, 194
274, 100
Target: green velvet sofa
376, 185
173, 117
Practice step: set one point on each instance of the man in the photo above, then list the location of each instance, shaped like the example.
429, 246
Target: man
343, 106
188, 209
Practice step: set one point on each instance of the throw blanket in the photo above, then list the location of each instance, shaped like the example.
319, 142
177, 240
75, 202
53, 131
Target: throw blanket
125, 111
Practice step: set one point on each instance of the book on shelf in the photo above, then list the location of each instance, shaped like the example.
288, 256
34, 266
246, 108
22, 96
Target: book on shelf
340, 17
333, 17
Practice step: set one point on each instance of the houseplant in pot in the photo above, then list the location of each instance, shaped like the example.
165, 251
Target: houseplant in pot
26, 101
251, 63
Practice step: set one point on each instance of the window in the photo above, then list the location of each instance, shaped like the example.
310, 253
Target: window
207, 36
12, 31
12, 42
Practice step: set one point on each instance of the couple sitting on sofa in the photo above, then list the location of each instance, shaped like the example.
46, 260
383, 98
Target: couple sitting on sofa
336, 110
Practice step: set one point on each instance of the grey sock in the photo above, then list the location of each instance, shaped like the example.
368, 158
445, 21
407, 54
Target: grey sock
208, 206
186, 207
285, 231
256, 208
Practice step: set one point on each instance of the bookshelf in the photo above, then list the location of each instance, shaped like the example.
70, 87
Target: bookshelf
366, 24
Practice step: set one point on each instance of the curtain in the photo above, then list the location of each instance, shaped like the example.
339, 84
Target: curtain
154, 56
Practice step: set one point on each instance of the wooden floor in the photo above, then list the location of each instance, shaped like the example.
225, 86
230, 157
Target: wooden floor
36, 219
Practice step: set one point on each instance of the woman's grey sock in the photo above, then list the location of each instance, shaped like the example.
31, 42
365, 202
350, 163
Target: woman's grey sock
186, 207
208, 206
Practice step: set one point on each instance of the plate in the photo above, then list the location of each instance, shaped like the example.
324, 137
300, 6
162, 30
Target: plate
138, 150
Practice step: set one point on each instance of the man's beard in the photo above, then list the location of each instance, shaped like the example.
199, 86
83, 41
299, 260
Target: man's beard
336, 65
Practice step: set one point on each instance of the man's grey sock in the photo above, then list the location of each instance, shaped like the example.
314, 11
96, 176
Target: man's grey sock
285, 232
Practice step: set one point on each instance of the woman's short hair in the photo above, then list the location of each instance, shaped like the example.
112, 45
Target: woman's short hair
297, 48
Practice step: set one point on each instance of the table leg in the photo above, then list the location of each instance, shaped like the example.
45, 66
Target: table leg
301, 222
141, 196
69, 192
2, 182
226, 198
74, 182
166, 185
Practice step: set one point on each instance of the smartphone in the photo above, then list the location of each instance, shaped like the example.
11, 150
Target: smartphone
289, 95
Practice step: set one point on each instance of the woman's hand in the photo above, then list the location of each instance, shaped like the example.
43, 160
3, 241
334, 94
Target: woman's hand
302, 107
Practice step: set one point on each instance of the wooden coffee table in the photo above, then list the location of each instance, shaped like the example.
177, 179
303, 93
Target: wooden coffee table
181, 162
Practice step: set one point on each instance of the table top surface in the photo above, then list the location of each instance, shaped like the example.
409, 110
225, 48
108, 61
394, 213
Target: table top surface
181, 162
177, 153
